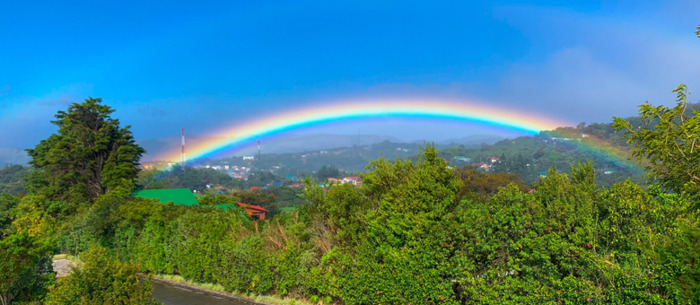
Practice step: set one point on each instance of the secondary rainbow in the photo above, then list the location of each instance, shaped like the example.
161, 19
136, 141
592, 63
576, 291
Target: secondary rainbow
246, 133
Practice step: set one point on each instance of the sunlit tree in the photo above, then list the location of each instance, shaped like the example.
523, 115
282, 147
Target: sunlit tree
90, 154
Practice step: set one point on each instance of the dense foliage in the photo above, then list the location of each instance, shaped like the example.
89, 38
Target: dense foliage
424, 234
668, 140
101, 280
25, 249
89, 156
25, 268
417, 231
195, 179
12, 179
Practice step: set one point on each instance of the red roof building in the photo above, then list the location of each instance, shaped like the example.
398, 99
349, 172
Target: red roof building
253, 210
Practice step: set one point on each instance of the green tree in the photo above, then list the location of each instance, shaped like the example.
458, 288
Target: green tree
89, 156
261, 179
25, 268
154, 179
326, 172
215, 199
8, 207
668, 142
254, 197
198, 179
478, 185
12, 179
101, 280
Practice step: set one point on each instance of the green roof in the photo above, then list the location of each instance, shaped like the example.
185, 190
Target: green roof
177, 196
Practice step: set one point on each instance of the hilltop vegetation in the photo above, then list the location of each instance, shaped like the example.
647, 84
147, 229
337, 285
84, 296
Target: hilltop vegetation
417, 231
12, 179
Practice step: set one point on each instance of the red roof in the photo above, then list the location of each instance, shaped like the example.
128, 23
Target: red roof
252, 207
353, 178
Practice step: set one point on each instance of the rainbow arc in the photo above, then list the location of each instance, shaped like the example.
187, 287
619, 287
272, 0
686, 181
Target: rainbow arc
247, 133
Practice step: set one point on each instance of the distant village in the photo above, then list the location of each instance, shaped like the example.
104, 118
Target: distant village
278, 165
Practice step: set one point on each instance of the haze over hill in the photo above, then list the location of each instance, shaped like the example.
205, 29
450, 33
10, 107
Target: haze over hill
11, 156
295, 143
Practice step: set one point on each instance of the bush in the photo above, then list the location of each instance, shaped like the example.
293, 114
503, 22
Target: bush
101, 280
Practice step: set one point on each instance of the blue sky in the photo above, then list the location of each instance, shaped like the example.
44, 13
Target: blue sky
206, 65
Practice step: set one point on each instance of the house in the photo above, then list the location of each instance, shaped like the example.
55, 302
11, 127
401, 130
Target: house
181, 196
254, 211
461, 159
484, 166
494, 159
354, 180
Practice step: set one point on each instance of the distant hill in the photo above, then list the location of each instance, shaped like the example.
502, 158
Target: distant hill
472, 140
299, 143
12, 156
294, 143
530, 157
349, 158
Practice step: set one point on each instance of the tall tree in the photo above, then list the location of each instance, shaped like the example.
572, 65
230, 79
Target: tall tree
89, 156
669, 141
326, 172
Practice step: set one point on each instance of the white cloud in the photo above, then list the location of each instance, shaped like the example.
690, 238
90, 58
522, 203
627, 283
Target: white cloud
610, 68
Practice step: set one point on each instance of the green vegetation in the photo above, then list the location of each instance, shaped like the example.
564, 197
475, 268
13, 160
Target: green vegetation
88, 165
668, 141
417, 231
308, 164
12, 179
531, 157
25, 268
101, 280
88, 157
195, 179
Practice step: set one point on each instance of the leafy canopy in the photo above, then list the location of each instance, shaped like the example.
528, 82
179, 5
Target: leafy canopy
89, 156
102, 280
668, 140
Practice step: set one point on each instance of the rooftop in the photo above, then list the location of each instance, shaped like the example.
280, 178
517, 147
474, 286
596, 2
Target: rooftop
181, 196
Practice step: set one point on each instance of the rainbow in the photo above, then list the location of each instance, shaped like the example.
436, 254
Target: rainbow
246, 133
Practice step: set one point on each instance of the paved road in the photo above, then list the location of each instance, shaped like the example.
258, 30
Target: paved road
172, 295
